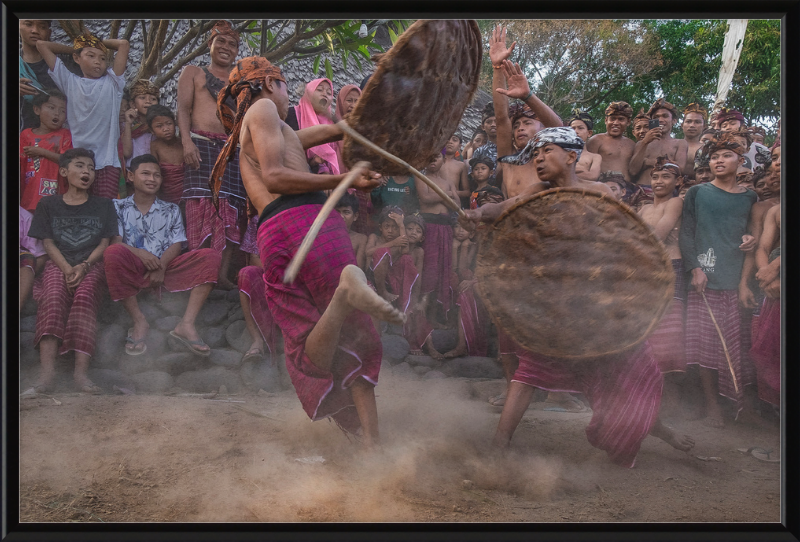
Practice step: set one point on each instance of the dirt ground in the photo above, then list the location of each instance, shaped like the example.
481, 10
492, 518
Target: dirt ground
155, 458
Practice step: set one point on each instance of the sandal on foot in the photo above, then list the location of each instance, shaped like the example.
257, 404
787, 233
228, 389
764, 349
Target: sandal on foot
132, 345
192, 345
253, 354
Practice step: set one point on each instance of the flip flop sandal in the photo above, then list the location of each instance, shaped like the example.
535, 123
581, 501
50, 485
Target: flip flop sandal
191, 345
131, 344
761, 454
253, 354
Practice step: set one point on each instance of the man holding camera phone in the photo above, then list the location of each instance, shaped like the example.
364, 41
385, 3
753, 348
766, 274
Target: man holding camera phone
658, 141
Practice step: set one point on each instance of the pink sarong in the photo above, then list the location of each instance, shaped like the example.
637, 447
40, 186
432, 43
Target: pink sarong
297, 307
766, 351
624, 392
437, 266
203, 222
126, 272
669, 339
171, 182
401, 276
71, 317
251, 284
703, 346
474, 320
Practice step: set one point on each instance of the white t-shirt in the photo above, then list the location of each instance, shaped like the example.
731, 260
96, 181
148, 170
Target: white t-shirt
141, 145
92, 111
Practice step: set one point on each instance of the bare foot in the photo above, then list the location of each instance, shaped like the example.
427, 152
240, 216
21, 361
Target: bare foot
416, 353
455, 353
565, 401
390, 297
431, 350
85, 385
225, 284
498, 400
683, 443
357, 293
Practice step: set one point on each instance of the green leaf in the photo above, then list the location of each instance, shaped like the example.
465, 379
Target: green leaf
328, 69
316, 65
345, 54
358, 63
392, 35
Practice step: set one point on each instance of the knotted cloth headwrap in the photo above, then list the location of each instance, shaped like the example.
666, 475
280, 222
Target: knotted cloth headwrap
663, 163
518, 110
222, 27
661, 103
758, 130
619, 108
244, 83
87, 40
695, 107
724, 141
564, 137
582, 116
725, 114
608, 176
701, 157
415, 219
640, 116
745, 134
144, 86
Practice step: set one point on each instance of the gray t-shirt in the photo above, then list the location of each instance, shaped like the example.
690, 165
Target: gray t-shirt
76, 230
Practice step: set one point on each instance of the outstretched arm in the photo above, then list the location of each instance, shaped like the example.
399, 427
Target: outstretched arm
498, 53
319, 135
518, 88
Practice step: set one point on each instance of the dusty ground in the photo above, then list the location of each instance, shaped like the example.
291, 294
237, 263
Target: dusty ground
160, 458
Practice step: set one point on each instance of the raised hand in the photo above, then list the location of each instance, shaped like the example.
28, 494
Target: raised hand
517, 83
498, 51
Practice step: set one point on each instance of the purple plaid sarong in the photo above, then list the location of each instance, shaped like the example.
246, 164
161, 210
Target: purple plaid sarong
297, 308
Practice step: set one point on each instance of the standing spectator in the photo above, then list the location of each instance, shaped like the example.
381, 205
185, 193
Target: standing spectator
478, 140
641, 124
315, 109
456, 170
203, 138
93, 102
613, 146
136, 134
713, 239
167, 148
694, 122
41, 148
588, 167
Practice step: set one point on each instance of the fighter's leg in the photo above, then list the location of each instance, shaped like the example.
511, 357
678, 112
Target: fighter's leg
517, 402
364, 399
713, 411
683, 443
353, 293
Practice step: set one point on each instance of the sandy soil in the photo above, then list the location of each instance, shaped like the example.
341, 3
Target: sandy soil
175, 458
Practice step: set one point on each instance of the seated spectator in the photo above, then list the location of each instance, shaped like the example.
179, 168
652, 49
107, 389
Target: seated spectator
136, 136
146, 253
166, 146
40, 149
32, 257
75, 228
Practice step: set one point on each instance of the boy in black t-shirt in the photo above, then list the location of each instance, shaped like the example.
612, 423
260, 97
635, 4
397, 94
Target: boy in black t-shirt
76, 228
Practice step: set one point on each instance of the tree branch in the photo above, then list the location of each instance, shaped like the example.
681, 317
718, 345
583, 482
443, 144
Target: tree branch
114, 33
129, 30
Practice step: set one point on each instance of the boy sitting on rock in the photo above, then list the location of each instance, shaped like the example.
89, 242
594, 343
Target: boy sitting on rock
147, 254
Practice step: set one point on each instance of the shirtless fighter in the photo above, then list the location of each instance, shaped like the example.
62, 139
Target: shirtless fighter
333, 351
624, 391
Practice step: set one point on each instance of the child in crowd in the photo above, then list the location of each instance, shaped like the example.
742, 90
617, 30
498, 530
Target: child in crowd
482, 171
349, 209
398, 192
664, 217
93, 101
615, 181
136, 134
473, 320
713, 239
438, 242
41, 148
456, 170
588, 167
391, 264
478, 140
260, 324
146, 253
167, 148
32, 257
75, 228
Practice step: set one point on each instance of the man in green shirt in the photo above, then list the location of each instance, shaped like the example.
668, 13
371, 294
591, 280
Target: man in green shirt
713, 239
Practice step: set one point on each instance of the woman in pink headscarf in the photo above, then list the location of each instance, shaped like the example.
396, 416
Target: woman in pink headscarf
346, 102
314, 108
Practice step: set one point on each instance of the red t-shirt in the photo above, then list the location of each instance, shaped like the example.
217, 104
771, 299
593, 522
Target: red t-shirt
39, 176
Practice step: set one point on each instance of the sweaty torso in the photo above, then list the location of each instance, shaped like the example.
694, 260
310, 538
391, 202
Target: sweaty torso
516, 179
429, 201
584, 166
651, 214
451, 170
671, 148
616, 153
293, 157
204, 106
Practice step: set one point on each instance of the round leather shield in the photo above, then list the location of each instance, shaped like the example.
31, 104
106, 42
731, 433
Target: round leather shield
573, 274
417, 95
